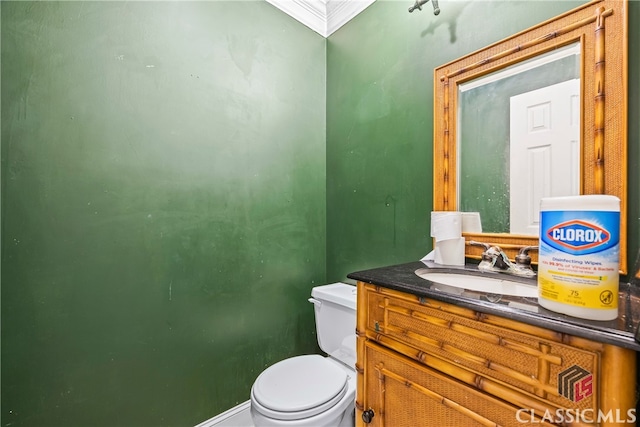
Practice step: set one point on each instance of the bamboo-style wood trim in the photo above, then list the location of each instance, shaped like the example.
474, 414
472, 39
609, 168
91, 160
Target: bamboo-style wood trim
446, 158
465, 330
599, 86
522, 47
489, 319
621, 386
544, 368
603, 102
470, 314
381, 386
361, 326
382, 373
540, 382
476, 381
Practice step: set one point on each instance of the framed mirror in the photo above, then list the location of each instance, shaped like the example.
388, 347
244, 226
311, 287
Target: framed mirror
567, 75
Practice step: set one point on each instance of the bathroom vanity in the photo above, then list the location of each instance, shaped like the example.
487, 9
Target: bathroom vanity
432, 355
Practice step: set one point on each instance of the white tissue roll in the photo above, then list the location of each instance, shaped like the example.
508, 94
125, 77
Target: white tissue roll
471, 222
446, 225
449, 252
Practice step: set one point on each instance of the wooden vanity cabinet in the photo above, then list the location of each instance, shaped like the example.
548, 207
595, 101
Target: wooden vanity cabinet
422, 362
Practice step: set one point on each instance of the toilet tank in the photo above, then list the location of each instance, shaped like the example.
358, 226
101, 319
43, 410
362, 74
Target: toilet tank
335, 312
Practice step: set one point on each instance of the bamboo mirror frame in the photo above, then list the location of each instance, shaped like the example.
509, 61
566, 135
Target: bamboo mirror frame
600, 27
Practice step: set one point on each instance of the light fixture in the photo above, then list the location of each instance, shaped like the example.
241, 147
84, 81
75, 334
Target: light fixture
418, 5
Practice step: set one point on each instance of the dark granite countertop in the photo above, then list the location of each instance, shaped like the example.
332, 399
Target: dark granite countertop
619, 332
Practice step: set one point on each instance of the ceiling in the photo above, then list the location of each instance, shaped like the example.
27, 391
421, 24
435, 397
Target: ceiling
322, 16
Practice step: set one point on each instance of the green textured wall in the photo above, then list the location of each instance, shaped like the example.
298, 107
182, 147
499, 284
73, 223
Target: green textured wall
380, 121
163, 206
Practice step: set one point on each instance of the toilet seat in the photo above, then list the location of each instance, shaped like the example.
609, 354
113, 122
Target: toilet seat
299, 387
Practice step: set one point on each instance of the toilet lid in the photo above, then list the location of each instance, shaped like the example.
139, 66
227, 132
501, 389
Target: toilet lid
299, 387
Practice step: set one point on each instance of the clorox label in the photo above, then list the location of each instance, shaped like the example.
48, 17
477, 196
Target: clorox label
580, 236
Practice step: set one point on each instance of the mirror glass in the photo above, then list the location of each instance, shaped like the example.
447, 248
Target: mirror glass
523, 121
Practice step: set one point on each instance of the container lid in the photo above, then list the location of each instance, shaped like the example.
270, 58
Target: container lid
338, 293
299, 387
598, 202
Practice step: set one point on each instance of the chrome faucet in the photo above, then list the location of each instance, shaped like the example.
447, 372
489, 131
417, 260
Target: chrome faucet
494, 259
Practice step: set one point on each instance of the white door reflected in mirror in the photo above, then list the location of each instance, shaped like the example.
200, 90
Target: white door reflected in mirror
544, 151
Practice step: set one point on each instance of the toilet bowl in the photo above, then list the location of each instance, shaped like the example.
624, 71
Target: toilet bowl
314, 390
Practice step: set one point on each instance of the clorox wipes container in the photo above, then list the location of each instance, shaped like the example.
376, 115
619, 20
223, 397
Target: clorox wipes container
578, 259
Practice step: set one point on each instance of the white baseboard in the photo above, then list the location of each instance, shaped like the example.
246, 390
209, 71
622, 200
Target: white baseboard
238, 416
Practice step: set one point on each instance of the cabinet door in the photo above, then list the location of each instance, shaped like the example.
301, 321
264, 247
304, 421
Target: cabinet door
403, 393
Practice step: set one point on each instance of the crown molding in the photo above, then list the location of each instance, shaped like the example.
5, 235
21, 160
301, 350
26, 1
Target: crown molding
339, 12
322, 16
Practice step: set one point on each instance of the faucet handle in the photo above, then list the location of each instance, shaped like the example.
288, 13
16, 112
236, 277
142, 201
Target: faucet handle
486, 246
523, 259
485, 254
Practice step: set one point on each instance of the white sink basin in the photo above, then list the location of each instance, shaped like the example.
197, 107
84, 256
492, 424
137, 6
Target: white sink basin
490, 284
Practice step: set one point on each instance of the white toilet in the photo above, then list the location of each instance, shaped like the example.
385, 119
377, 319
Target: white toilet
314, 390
